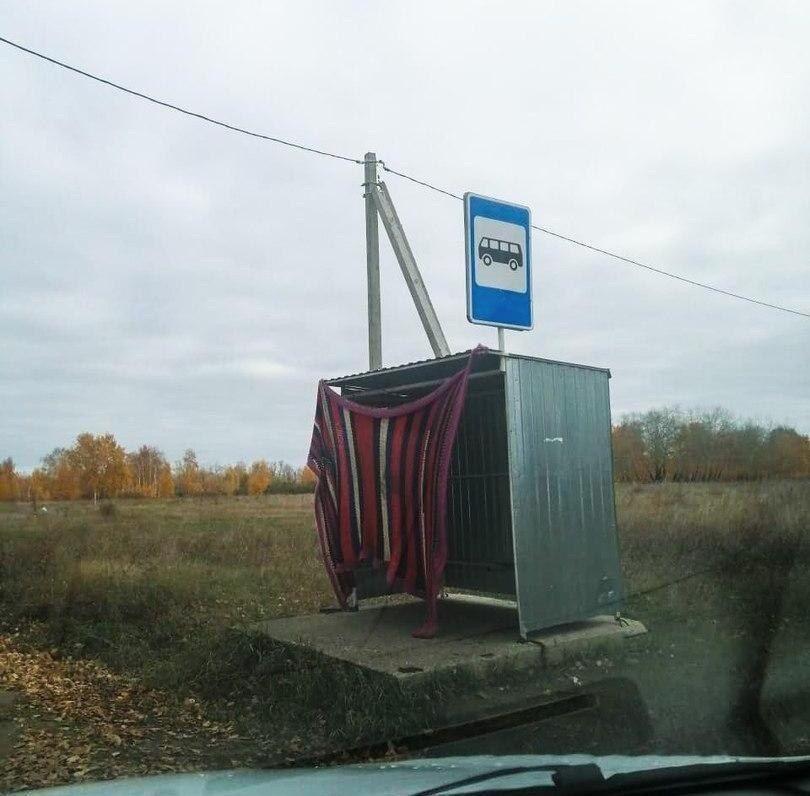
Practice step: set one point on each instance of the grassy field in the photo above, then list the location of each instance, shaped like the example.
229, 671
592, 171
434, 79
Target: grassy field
164, 591
669, 531
151, 585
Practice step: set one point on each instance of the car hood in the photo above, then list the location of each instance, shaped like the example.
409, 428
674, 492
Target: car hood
395, 778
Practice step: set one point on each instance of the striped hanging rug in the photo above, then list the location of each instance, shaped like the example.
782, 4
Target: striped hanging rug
381, 493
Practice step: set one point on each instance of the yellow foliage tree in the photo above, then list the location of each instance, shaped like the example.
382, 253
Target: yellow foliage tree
63, 478
9, 485
188, 477
101, 465
38, 486
629, 463
788, 453
259, 477
234, 479
65, 483
165, 484
146, 466
306, 477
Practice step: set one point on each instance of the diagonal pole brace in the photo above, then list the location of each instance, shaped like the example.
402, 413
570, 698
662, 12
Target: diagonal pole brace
407, 262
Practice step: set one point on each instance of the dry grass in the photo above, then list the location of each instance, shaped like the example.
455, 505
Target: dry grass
149, 579
166, 589
155, 581
704, 537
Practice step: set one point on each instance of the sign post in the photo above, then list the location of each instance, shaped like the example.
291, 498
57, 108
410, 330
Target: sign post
499, 264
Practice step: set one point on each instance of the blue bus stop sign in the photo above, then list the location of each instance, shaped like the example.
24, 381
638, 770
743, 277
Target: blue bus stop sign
499, 262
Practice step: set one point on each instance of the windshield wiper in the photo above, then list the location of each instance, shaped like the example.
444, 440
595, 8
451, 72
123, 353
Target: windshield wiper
671, 779
585, 775
586, 778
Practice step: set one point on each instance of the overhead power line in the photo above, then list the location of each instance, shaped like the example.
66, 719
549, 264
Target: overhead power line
680, 278
614, 255
403, 175
420, 182
177, 108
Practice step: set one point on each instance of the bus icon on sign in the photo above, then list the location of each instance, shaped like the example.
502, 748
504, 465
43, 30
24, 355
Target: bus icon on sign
500, 251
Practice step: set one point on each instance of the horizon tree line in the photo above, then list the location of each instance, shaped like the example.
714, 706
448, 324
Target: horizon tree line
97, 466
670, 444
666, 444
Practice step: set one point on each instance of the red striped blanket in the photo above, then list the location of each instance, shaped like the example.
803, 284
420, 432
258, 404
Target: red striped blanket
381, 493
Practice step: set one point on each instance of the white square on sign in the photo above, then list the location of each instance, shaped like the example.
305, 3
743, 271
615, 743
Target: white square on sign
500, 254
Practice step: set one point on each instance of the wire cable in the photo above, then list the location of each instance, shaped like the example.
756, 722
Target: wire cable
403, 175
614, 255
177, 108
671, 275
419, 182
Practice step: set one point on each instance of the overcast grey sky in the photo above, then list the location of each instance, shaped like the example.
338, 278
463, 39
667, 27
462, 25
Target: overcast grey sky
184, 286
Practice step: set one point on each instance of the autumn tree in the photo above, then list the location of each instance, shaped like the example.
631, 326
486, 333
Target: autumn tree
629, 455
659, 430
146, 466
235, 479
695, 456
38, 483
188, 479
747, 452
282, 471
23, 484
63, 477
213, 480
9, 485
259, 477
165, 483
101, 465
706, 446
787, 453
306, 477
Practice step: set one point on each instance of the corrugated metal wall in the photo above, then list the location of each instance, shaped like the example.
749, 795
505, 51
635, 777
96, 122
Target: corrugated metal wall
563, 515
479, 523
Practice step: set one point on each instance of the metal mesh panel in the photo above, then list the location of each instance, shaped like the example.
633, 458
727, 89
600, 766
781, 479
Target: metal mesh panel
480, 556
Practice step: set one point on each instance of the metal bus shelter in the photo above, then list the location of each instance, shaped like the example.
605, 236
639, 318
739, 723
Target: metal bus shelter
531, 513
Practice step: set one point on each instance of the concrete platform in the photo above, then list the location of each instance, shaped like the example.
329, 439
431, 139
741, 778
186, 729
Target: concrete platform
479, 638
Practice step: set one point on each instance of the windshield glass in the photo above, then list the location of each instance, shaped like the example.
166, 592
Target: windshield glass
267, 506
